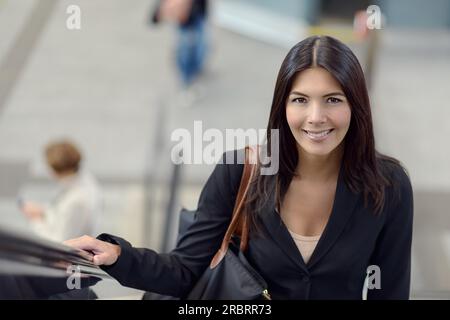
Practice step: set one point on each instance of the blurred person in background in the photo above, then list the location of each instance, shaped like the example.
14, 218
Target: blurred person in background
76, 207
190, 18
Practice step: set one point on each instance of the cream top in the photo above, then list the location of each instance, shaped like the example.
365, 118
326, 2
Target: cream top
306, 245
74, 212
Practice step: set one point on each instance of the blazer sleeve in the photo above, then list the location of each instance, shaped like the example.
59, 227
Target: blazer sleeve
393, 249
175, 273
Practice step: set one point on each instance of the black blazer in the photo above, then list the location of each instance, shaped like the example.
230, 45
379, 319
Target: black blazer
353, 239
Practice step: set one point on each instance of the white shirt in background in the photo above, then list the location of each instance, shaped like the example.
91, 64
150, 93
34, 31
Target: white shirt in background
75, 210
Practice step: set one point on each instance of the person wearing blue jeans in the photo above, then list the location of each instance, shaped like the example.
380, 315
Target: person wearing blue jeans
191, 49
191, 45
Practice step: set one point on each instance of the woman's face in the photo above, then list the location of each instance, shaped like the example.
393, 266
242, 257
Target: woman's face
317, 112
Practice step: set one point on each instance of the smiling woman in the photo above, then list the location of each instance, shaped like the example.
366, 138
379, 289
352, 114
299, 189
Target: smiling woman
320, 98
334, 208
317, 111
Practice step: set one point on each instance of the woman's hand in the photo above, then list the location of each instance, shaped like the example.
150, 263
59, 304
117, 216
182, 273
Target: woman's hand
103, 253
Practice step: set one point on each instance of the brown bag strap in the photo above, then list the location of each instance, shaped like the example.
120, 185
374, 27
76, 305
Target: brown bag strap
238, 224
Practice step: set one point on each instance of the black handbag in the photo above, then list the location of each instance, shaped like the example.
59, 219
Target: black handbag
229, 275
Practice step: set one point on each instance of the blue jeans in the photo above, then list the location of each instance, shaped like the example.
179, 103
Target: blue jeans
191, 50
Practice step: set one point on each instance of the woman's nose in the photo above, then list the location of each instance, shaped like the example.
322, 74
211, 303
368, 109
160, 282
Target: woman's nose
316, 114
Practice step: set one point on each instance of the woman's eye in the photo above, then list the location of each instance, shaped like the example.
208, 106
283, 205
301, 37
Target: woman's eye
333, 100
299, 100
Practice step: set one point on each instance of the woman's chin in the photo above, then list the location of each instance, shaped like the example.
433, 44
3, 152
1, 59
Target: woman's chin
319, 150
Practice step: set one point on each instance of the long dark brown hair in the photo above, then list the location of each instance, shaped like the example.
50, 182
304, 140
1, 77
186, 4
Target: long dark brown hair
364, 168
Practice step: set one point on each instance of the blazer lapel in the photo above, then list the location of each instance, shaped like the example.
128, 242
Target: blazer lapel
279, 233
343, 207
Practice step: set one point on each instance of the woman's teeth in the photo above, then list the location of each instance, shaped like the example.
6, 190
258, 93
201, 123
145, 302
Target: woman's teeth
318, 135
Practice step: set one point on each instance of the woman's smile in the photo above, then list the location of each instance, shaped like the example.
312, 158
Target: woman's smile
317, 136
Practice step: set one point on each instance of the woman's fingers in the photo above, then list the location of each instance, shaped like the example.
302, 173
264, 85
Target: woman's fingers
84, 243
104, 253
87, 246
108, 255
87, 255
101, 259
